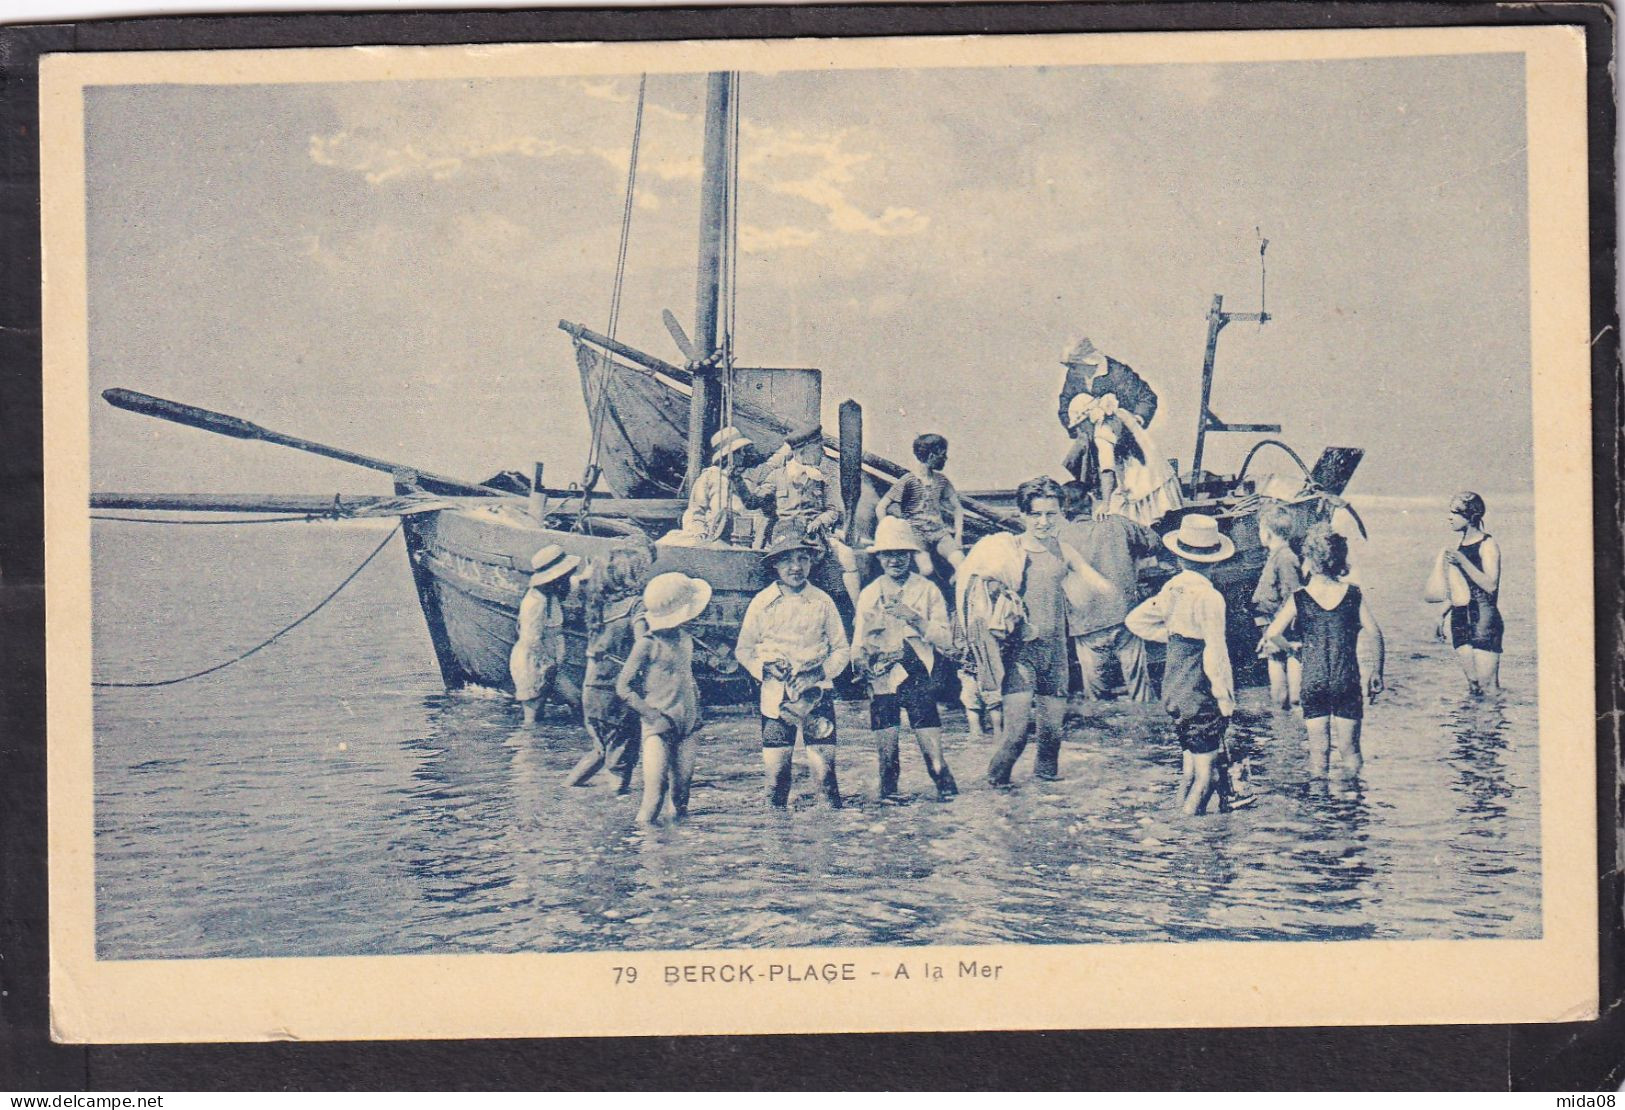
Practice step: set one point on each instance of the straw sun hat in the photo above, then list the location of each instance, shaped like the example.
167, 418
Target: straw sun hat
671, 599
551, 563
894, 534
1199, 540
727, 441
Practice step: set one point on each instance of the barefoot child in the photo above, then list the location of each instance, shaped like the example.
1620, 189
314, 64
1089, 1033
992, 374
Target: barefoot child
1342, 651
1468, 576
1188, 615
1279, 581
793, 643
536, 661
669, 704
902, 621
614, 608
927, 500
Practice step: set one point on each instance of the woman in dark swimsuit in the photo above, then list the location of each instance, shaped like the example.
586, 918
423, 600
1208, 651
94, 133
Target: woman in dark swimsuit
1476, 627
1342, 651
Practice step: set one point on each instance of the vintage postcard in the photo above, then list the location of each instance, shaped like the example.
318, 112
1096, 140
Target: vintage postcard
1004, 532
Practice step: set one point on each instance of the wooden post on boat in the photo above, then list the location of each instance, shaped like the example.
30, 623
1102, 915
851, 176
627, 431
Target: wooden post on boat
705, 401
851, 426
538, 496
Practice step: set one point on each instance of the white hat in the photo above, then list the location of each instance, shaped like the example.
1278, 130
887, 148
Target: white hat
550, 563
727, 441
1080, 351
894, 534
1199, 540
1077, 411
673, 598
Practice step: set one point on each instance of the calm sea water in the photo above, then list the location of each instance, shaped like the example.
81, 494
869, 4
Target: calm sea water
327, 797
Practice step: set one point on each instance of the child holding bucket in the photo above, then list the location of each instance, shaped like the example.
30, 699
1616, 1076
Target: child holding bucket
658, 683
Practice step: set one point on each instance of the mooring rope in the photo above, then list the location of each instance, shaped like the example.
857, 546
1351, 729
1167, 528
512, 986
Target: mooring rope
273, 639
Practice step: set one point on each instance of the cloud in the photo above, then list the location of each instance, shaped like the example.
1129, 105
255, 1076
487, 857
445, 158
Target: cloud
785, 237
821, 169
379, 162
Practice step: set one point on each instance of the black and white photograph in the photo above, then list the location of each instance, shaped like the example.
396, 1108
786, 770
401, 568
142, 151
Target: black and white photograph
912, 534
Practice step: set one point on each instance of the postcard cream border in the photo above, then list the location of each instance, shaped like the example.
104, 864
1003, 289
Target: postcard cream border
1113, 985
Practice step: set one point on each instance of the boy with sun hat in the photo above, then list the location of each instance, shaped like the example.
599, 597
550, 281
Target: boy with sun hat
1198, 690
669, 701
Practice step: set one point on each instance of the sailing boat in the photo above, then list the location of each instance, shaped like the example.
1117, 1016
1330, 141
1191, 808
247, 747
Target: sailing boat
470, 543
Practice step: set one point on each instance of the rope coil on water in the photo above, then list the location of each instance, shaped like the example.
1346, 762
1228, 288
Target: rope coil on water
271, 640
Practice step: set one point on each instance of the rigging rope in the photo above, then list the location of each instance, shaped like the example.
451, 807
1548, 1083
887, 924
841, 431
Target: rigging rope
606, 362
271, 640
732, 247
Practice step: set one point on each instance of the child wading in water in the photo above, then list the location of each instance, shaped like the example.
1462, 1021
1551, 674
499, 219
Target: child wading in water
537, 658
1342, 651
614, 623
793, 643
927, 500
1276, 585
1468, 576
663, 664
1198, 692
902, 621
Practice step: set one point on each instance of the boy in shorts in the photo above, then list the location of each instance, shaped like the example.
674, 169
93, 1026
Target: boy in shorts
901, 623
1198, 692
793, 643
927, 500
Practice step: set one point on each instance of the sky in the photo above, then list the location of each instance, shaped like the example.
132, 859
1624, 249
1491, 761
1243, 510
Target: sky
382, 266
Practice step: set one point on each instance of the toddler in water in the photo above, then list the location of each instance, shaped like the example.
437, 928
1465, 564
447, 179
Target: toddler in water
669, 704
537, 658
1279, 581
1342, 651
927, 500
614, 608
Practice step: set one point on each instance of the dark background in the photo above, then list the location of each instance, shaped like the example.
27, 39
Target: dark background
1572, 1056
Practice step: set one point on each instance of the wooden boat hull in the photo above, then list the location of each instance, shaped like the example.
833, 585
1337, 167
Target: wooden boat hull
471, 565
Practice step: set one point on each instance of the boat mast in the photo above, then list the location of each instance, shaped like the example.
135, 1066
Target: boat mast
706, 400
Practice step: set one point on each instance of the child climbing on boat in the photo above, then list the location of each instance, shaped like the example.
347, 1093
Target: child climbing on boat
901, 623
614, 608
658, 683
1198, 690
1467, 575
927, 500
1342, 651
805, 504
536, 661
1279, 581
793, 643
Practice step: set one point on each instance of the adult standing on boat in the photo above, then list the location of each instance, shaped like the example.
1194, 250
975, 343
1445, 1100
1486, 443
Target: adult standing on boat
1047, 577
717, 512
1468, 576
806, 503
1107, 409
537, 659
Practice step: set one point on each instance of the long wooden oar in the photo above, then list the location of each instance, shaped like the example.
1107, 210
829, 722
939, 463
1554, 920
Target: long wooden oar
236, 427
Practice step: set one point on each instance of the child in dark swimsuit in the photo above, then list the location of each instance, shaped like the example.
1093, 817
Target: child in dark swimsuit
1474, 620
1342, 651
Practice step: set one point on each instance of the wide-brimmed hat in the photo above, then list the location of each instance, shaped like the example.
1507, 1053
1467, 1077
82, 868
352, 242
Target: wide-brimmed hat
894, 534
551, 563
1080, 350
807, 433
1079, 410
726, 442
793, 539
673, 598
1199, 540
